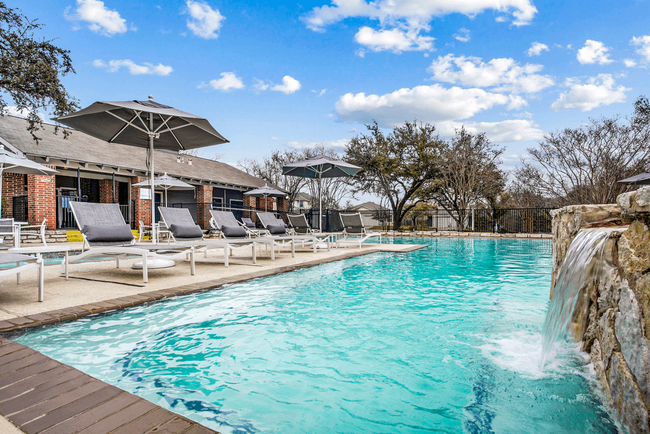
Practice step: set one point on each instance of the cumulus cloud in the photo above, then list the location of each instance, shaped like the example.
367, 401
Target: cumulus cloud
514, 130
395, 40
629, 63
503, 74
536, 49
134, 69
432, 104
100, 19
597, 91
21, 113
462, 35
594, 52
643, 42
204, 21
415, 11
339, 144
227, 81
260, 85
289, 85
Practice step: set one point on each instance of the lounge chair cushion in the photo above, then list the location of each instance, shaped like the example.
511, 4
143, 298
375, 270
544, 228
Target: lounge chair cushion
233, 231
276, 229
182, 231
95, 233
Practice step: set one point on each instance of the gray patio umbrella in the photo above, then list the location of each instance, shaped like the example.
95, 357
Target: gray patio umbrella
321, 167
143, 124
641, 179
166, 182
18, 163
265, 192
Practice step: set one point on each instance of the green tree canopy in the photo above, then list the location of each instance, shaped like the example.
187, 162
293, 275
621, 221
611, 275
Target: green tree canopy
31, 69
397, 165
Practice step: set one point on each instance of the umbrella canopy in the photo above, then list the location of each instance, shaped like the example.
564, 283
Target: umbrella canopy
166, 182
141, 123
18, 163
321, 167
265, 192
643, 178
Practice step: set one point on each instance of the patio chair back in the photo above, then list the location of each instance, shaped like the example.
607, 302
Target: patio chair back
268, 218
99, 214
6, 226
248, 222
353, 224
299, 223
178, 217
224, 218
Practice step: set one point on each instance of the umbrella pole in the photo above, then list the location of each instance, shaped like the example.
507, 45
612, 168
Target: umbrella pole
153, 192
320, 202
113, 187
166, 196
2, 169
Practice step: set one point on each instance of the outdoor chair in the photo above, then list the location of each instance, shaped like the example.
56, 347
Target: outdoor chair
106, 235
354, 230
248, 222
225, 223
38, 230
301, 227
279, 230
30, 262
184, 229
6, 228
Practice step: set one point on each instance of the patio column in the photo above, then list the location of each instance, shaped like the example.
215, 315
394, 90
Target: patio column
106, 191
250, 204
41, 199
203, 205
283, 204
13, 184
142, 207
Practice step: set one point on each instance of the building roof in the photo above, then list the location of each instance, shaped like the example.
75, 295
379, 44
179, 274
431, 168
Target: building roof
303, 196
368, 206
98, 155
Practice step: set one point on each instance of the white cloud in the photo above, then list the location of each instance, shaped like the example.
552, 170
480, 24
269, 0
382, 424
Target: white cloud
502, 74
321, 93
24, 113
414, 12
395, 40
432, 104
134, 69
289, 85
514, 130
462, 35
339, 144
536, 49
594, 52
643, 42
99, 18
598, 91
227, 81
260, 85
629, 63
205, 22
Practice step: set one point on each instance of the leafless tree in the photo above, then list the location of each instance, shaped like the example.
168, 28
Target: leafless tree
469, 174
581, 165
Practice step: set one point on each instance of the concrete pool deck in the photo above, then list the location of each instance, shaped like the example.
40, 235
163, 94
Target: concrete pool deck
38, 394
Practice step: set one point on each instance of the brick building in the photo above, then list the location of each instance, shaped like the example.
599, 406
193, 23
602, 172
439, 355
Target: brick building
93, 170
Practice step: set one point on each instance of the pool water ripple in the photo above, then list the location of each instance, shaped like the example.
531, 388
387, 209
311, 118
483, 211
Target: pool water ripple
444, 339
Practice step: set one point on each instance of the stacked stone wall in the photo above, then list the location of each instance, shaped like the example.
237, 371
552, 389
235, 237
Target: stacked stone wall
612, 315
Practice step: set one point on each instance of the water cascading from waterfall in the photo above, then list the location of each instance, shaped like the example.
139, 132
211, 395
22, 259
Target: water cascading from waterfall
582, 264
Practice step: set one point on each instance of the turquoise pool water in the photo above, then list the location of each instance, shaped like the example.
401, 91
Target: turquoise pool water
444, 339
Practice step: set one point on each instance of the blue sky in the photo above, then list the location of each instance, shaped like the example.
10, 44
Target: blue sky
272, 75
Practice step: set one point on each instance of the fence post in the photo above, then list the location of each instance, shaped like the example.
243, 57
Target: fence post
472, 219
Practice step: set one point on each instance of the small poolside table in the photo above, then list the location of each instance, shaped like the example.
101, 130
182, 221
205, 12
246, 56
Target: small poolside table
39, 250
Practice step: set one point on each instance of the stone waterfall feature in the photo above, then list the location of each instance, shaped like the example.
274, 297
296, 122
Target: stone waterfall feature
611, 306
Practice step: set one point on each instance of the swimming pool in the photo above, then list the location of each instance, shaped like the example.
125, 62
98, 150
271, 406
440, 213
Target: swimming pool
444, 339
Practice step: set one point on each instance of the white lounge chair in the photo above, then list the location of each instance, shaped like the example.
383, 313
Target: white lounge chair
301, 227
183, 229
283, 234
225, 223
106, 235
354, 231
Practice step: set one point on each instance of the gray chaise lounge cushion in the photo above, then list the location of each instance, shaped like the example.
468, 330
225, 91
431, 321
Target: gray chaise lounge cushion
276, 229
183, 231
233, 231
95, 233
